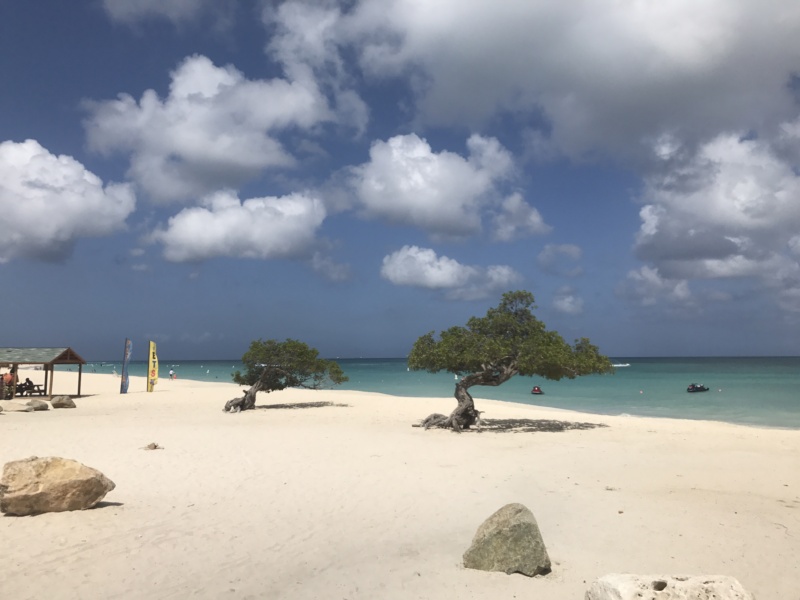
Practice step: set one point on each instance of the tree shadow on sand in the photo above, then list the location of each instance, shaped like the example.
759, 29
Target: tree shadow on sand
299, 405
529, 426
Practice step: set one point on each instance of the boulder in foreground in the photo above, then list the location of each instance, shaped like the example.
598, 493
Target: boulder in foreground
38, 485
509, 541
37, 404
618, 586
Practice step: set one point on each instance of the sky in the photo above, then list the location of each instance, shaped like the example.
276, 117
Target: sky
355, 174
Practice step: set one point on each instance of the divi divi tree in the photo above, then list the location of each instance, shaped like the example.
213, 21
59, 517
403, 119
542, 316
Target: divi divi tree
490, 350
271, 365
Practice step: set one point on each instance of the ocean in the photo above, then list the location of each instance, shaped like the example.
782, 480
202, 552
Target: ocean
762, 391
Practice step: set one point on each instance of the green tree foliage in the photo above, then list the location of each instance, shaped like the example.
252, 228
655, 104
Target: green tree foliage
490, 350
271, 366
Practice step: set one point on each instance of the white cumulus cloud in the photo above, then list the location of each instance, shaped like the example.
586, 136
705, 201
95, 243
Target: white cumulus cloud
215, 130
648, 287
305, 40
568, 302
729, 211
423, 268
604, 76
49, 202
406, 182
260, 228
517, 218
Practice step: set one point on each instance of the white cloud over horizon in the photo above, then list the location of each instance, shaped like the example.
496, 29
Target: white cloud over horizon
567, 301
256, 228
423, 268
445, 194
676, 67
728, 211
648, 287
49, 202
215, 130
517, 218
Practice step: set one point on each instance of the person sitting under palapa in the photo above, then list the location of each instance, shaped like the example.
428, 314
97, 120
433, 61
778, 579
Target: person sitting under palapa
26, 387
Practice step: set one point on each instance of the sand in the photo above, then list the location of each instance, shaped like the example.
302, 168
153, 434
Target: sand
348, 501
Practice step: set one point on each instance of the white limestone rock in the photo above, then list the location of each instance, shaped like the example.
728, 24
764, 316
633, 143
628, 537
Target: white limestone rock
618, 586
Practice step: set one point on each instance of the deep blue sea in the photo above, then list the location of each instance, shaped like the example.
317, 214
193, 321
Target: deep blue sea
762, 391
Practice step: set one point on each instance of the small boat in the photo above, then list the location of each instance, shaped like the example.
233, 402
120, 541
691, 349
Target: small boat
617, 365
537, 390
697, 387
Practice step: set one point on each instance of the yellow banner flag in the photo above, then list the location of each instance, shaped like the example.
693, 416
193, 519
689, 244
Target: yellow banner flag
152, 368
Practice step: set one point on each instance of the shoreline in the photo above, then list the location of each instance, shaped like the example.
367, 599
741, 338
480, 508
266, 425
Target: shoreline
598, 413
756, 392
347, 499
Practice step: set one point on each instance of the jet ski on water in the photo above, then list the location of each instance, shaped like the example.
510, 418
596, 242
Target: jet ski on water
537, 390
696, 387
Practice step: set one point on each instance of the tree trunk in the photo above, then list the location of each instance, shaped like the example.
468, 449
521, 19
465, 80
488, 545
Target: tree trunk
465, 415
246, 402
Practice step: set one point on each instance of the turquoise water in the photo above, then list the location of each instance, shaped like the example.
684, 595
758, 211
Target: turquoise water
761, 391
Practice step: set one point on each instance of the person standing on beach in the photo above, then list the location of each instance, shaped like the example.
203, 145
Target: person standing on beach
9, 383
171, 374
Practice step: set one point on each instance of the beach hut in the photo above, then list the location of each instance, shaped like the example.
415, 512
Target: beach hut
46, 358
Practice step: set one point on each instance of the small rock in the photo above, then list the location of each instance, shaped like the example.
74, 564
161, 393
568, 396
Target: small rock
37, 404
62, 402
16, 407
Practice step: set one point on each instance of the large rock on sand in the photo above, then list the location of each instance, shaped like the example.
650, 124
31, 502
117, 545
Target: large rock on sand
37, 404
62, 402
509, 541
38, 485
667, 587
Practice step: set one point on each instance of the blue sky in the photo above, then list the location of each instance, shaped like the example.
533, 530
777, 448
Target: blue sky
355, 174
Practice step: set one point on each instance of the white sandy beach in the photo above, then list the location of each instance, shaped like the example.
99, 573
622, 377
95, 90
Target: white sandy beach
351, 502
